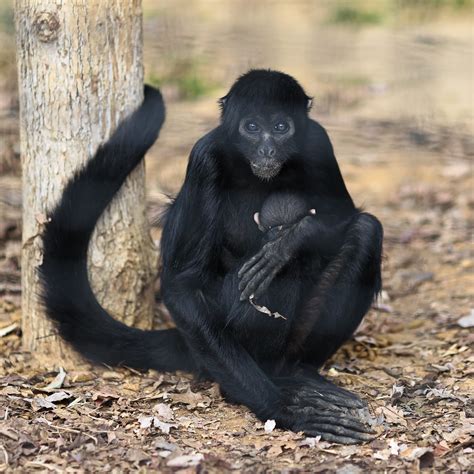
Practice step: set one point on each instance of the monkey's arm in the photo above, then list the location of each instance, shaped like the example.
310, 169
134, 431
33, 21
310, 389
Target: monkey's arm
311, 235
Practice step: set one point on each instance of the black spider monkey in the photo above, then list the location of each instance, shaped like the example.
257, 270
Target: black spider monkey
322, 273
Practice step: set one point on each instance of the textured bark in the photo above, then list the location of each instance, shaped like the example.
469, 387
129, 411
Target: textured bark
80, 72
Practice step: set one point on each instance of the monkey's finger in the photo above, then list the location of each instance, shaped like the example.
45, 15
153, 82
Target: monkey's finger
251, 273
327, 388
249, 290
344, 421
338, 430
337, 415
263, 286
249, 263
334, 398
331, 438
254, 283
335, 432
257, 269
323, 386
315, 382
314, 405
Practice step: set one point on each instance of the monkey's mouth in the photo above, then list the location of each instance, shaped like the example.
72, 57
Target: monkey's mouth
266, 170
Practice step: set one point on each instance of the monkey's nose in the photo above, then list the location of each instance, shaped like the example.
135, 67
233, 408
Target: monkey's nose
267, 151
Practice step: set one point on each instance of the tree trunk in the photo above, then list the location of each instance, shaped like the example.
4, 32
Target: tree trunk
80, 72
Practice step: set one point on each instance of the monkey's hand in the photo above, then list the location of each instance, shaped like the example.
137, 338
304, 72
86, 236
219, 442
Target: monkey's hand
258, 272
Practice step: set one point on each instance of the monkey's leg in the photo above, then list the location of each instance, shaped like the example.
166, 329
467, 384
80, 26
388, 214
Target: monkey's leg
242, 380
332, 313
344, 293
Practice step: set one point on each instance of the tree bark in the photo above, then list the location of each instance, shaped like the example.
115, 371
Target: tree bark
80, 72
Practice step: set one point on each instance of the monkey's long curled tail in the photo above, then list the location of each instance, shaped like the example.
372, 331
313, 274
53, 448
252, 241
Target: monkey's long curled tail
67, 295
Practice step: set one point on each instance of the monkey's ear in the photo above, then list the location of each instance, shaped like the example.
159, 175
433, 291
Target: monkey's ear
309, 103
222, 101
256, 218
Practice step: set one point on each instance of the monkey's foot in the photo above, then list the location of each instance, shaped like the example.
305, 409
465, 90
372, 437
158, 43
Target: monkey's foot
319, 408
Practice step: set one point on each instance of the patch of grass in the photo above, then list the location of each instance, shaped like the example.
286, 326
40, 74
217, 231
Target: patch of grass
192, 86
352, 80
360, 13
7, 23
153, 80
187, 76
423, 10
434, 4
355, 15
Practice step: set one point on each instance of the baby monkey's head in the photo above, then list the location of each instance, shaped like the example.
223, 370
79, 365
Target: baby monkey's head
281, 210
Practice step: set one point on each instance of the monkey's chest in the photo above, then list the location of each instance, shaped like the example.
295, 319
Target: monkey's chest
240, 235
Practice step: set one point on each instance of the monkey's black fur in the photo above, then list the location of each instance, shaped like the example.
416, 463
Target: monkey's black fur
281, 210
322, 273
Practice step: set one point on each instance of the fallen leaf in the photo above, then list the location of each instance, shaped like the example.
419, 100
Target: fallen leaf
350, 469
191, 399
162, 426
265, 310
145, 421
274, 451
310, 441
58, 396
269, 426
137, 455
9, 433
58, 381
149, 421
394, 447
39, 403
164, 411
441, 449
414, 453
443, 393
383, 454
467, 321
102, 398
8, 329
456, 170
392, 415
186, 460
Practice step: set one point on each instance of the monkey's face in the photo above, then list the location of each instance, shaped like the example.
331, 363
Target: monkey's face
267, 142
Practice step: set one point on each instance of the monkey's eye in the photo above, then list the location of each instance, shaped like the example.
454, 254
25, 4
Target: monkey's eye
252, 127
281, 127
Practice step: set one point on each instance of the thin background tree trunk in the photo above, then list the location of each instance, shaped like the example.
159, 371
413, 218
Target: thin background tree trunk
80, 72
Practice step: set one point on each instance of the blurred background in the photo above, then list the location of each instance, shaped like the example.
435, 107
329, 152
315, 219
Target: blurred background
392, 79
392, 82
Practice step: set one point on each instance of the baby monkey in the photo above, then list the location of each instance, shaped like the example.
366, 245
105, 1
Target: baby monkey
281, 210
